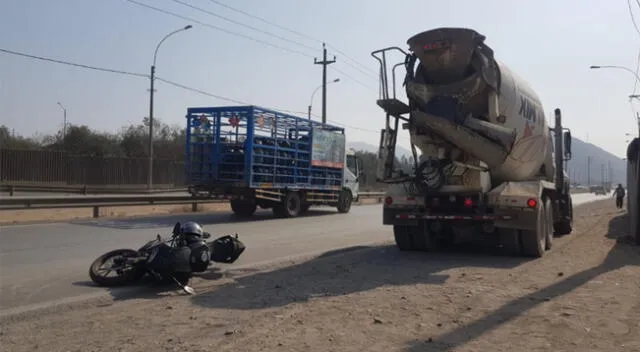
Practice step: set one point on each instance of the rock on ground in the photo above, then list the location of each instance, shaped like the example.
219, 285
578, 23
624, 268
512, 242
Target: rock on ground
581, 296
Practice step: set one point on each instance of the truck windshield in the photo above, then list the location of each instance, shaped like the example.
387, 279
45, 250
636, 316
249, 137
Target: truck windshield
351, 164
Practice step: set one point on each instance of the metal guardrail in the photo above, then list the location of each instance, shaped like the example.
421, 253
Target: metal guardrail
83, 189
96, 202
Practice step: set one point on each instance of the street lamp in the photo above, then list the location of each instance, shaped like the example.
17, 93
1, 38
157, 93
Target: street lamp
593, 67
630, 71
64, 122
314, 93
153, 72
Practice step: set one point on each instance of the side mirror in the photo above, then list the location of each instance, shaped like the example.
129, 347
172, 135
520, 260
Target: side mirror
176, 228
206, 235
567, 144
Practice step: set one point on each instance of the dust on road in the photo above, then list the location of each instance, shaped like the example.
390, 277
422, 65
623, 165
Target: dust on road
582, 296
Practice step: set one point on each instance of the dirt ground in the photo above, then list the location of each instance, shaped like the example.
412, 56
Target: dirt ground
8, 217
584, 295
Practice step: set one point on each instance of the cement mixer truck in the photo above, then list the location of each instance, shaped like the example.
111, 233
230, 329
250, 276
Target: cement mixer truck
485, 162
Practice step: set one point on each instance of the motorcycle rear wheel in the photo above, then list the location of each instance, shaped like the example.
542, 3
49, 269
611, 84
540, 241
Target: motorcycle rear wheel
128, 276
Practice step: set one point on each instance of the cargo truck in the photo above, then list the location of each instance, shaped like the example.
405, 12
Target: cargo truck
485, 162
257, 157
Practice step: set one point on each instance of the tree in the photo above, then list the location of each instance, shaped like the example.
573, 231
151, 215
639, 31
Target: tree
9, 141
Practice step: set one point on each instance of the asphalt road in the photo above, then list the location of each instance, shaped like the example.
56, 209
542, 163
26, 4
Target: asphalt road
45, 263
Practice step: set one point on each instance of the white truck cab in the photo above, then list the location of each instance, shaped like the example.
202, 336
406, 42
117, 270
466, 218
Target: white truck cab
352, 173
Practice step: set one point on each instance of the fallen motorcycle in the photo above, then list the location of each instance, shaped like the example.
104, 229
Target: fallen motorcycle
174, 258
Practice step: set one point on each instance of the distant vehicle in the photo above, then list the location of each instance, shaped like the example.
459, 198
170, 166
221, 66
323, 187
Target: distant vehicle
598, 190
487, 158
258, 157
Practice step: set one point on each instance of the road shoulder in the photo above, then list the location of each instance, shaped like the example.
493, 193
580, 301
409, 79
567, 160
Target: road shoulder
581, 296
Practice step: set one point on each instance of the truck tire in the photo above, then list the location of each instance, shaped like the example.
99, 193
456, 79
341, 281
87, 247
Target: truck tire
548, 223
344, 202
565, 226
290, 207
411, 238
243, 209
534, 241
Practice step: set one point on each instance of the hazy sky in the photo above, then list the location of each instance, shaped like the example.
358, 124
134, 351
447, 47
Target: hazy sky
550, 43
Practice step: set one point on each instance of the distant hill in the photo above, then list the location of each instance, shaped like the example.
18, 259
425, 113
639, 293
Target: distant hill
577, 166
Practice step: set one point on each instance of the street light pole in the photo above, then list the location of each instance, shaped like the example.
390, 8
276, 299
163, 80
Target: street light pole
153, 73
314, 93
64, 122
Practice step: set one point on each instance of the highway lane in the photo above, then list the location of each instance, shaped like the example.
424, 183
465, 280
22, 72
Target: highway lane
48, 262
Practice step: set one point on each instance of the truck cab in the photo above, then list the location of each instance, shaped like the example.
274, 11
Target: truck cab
353, 173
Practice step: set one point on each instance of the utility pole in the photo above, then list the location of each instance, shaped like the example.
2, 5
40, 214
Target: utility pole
150, 160
64, 122
589, 170
602, 174
324, 64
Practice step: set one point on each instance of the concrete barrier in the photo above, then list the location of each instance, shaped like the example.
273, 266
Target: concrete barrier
633, 187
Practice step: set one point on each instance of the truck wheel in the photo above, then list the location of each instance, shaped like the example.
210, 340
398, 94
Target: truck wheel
344, 202
290, 206
548, 224
411, 238
243, 209
534, 241
565, 226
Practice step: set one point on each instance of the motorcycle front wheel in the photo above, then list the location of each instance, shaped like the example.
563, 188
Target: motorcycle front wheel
125, 273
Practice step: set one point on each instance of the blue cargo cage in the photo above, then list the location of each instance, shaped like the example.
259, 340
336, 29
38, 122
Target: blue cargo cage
252, 147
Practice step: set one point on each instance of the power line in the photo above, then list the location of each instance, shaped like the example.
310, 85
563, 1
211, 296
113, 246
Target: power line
265, 21
245, 103
242, 24
232, 33
633, 19
635, 25
371, 72
141, 75
353, 79
219, 28
69, 63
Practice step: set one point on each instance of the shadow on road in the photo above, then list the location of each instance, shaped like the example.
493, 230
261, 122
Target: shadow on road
213, 218
622, 254
147, 288
342, 272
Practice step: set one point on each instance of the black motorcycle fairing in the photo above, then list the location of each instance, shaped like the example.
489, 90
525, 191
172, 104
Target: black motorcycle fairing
165, 259
181, 259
